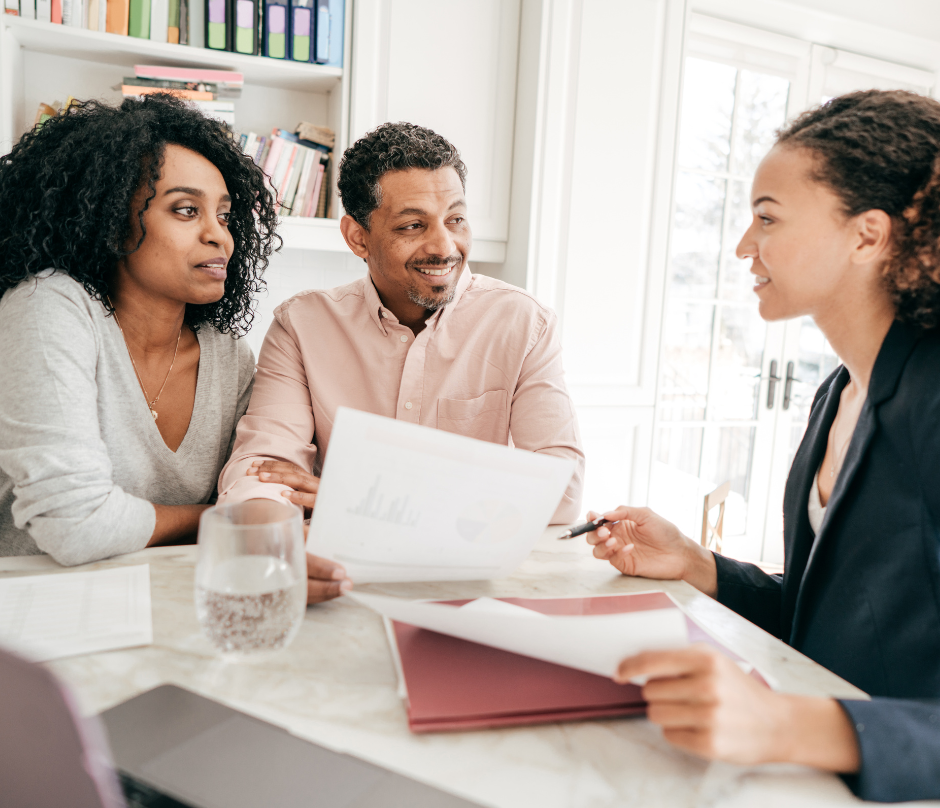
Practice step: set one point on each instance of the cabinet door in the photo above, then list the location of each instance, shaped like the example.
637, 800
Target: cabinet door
450, 66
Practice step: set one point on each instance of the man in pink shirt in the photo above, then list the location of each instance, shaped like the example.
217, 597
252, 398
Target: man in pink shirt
418, 338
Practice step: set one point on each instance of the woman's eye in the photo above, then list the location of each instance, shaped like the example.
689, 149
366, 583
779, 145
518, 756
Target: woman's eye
226, 217
188, 210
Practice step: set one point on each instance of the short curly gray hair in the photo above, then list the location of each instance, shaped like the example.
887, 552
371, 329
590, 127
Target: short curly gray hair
390, 147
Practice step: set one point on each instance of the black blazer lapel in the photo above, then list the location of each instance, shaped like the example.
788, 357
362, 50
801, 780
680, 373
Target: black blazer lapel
798, 534
897, 346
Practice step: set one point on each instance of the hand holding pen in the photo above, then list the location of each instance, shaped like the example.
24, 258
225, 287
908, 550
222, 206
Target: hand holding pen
587, 527
639, 542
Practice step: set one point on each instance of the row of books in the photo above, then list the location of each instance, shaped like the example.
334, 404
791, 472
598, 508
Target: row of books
205, 89
297, 30
297, 165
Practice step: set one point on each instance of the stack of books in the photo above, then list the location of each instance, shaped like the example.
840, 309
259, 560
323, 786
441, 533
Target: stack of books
205, 89
297, 167
297, 30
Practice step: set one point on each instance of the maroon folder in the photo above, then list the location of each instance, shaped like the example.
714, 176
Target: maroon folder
456, 684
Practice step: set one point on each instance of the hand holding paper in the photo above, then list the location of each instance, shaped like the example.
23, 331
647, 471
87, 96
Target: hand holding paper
400, 502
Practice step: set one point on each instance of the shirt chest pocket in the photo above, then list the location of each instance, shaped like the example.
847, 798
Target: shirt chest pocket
485, 417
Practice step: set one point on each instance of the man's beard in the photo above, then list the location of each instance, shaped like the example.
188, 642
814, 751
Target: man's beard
442, 295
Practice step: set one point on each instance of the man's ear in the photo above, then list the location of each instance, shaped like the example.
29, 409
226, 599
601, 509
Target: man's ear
355, 234
873, 242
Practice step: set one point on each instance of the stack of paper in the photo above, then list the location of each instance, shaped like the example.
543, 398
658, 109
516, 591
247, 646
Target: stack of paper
65, 614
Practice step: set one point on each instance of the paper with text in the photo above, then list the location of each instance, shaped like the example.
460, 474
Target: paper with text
592, 643
401, 502
65, 614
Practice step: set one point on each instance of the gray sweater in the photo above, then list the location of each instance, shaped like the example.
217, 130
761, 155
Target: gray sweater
81, 459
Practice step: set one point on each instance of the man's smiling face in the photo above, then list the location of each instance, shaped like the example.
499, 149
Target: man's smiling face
418, 240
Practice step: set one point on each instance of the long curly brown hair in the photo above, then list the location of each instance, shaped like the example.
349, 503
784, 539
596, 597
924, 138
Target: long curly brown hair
880, 150
66, 191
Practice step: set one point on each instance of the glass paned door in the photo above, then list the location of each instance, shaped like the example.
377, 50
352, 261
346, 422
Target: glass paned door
712, 425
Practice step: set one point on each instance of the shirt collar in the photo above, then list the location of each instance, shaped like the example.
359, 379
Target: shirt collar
465, 278
377, 311
381, 315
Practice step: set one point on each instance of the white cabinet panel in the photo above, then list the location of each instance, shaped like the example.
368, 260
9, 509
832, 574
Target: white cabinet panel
450, 66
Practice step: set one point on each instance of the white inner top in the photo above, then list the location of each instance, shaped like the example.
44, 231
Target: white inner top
817, 511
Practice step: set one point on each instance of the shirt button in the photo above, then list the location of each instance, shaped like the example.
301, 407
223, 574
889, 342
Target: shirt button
384, 313
407, 405
404, 338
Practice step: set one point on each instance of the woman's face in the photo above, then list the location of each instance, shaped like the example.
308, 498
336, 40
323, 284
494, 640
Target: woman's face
805, 250
184, 255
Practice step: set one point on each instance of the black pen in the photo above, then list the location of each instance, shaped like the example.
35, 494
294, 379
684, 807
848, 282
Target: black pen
587, 527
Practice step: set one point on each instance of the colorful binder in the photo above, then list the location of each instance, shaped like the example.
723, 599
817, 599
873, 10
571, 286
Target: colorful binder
118, 11
159, 20
302, 30
337, 27
245, 33
173, 22
217, 25
138, 19
274, 29
453, 684
322, 50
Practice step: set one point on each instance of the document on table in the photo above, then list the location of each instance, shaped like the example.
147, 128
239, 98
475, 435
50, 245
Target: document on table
401, 502
64, 614
592, 643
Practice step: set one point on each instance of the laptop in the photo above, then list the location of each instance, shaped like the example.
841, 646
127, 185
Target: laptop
173, 744
173, 749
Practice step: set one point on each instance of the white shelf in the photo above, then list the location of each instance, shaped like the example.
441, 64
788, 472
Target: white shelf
300, 233
107, 48
323, 234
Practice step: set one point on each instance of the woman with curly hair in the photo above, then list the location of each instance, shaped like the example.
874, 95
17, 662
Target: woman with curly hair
132, 242
846, 229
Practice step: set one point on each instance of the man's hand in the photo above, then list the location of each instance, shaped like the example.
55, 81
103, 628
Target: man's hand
708, 706
325, 579
305, 485
644, 544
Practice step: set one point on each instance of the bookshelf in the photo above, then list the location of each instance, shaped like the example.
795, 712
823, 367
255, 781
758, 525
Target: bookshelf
42, 61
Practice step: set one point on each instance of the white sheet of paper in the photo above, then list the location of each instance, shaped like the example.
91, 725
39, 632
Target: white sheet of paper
51, 616
592, 643
400, 502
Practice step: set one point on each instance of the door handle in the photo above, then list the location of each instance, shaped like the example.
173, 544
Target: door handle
788, 386
772, 380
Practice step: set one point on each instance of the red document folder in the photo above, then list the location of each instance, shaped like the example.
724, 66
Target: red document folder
455, 684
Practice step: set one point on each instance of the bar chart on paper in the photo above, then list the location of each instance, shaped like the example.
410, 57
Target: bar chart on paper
396, 512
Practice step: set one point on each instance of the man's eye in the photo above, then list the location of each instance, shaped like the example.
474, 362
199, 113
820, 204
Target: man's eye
457, 220
414, 226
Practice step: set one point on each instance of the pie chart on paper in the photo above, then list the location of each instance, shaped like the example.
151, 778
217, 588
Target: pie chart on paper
489, 522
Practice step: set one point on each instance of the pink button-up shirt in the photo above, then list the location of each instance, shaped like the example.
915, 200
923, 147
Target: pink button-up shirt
488, 366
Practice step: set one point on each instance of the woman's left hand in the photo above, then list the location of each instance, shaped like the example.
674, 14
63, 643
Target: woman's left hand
707, 705
305, 485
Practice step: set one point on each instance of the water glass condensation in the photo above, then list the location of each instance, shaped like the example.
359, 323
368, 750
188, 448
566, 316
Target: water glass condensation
251, 576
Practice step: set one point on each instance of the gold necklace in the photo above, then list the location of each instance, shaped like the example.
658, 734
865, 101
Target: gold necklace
140, 381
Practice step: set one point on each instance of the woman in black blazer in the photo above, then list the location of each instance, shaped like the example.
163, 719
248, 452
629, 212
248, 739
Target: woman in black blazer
846, 228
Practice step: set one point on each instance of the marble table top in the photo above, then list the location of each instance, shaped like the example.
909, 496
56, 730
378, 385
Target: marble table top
336, 685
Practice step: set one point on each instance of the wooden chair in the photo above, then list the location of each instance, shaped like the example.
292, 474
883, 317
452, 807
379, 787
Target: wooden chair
712, 532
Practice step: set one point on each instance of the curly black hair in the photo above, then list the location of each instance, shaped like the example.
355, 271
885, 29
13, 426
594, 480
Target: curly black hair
390, 147
880, 150
66, 191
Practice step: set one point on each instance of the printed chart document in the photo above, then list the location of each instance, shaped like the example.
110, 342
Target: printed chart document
592, 643
51, 616
400, 502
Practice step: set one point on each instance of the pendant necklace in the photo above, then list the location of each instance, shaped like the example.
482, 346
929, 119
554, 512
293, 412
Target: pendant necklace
140, 381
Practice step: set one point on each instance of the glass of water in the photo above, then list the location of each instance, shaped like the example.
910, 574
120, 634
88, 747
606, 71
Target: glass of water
251, 576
